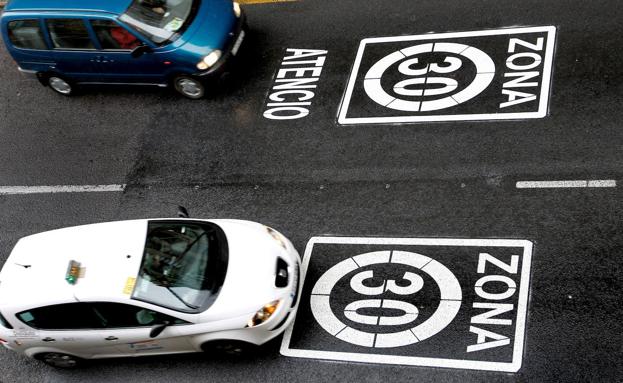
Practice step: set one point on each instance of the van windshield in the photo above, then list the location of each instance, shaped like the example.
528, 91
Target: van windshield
161, 21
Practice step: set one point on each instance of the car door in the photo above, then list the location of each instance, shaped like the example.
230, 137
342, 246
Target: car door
128, 327
118, 64
72, 328
73, 49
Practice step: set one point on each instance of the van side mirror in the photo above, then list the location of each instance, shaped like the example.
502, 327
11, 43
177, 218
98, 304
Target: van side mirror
140, 50
158, 329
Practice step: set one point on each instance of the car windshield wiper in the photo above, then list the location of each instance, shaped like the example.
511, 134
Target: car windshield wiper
181, 299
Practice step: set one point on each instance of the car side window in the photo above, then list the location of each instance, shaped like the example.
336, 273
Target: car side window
69, 34
61, 317
118, 315
113, 36
26, 34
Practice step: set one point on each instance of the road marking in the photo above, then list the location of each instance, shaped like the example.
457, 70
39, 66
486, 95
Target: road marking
566, 184
13, 190
263, 1
373, 340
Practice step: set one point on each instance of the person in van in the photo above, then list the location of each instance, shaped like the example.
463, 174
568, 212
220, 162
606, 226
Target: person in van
181, 44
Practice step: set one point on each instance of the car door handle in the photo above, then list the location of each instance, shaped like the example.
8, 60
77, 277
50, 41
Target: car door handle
112, 338
48, 339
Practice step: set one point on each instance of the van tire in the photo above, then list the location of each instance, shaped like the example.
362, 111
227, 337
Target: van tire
59, 360
60, 84
189, 87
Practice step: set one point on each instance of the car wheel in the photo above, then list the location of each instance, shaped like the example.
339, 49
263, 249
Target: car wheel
228, 347
60, 85
59, 360
189, 87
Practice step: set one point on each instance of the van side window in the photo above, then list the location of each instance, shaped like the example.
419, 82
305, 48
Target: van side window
69, 34
113, 36
26, 34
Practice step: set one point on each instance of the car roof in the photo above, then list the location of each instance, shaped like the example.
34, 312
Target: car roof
112, 6
109, 255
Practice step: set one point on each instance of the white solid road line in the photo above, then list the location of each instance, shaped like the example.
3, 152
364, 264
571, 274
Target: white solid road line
12, 190
566, 184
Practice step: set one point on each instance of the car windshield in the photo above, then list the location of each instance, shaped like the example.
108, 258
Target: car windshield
162, 21
184, 265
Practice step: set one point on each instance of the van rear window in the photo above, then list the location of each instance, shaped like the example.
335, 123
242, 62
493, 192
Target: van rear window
26, 34
4, 323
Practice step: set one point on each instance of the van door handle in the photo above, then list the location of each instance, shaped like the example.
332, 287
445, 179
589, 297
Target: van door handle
111, 338
48, 339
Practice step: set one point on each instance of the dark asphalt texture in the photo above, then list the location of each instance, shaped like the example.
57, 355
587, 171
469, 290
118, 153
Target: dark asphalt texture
221, 159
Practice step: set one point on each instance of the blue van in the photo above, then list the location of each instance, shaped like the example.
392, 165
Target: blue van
178, 43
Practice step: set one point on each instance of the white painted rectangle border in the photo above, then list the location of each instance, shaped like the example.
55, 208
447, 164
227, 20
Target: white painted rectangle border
545, 84
19, 190
566, 184
522, 306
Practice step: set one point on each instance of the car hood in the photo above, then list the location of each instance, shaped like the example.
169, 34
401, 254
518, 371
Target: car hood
210, 29
251, 270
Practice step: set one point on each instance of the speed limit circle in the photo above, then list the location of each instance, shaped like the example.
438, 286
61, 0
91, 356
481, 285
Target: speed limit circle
382, 310
429, 79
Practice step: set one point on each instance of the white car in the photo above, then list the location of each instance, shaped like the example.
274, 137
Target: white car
147, 287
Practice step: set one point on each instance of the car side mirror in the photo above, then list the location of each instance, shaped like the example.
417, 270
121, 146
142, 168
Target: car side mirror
182, 212
140, 50
158, 329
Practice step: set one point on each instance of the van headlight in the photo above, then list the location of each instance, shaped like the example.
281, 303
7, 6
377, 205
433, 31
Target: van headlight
208, 61
237, 10
263, 314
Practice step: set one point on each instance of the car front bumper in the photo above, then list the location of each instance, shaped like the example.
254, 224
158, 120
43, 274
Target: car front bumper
229, 52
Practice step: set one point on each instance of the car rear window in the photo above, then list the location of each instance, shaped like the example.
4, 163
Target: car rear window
26, 34
69, 34
4, 322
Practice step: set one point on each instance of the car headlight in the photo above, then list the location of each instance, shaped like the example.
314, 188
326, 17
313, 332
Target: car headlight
280, 239
237, 10
263, 314
208, 61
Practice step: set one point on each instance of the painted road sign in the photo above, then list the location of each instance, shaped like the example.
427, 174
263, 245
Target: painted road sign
479, 75
458, 303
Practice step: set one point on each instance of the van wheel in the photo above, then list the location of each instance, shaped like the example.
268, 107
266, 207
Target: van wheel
189, 87
59, 360
227, 347
60, 85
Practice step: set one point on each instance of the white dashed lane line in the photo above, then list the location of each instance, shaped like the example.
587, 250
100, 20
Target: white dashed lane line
566, 184
16, 190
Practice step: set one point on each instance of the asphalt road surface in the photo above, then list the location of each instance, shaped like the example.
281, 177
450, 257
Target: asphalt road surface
394, 174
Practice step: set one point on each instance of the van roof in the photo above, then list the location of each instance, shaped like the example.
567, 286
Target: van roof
112, 6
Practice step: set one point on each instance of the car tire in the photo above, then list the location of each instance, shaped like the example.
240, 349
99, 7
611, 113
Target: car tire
59, 360
235, 348
189, 87
60, 84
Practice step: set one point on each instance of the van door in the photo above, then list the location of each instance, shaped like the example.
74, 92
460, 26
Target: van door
27, 44
73, 49
118, 65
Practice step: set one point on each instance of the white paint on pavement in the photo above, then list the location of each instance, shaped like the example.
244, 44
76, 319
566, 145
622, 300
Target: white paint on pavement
16, 190
566, 184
